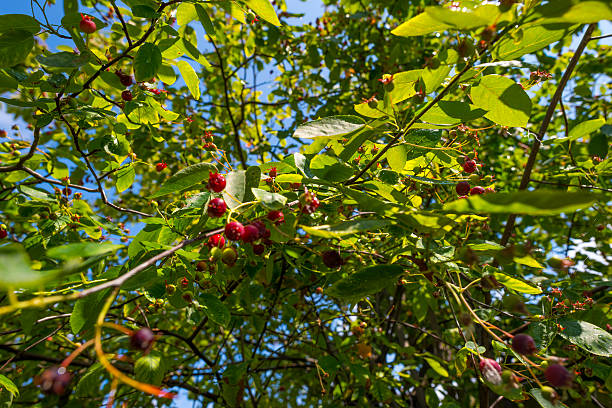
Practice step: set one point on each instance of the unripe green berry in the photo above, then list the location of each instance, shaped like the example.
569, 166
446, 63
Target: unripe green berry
215, 254
474, 179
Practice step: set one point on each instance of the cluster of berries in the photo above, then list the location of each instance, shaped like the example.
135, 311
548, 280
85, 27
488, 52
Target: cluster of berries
556, 374
463, 188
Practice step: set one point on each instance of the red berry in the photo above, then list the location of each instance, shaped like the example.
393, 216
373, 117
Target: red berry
67, 191
229, 256
142, 339
54, 380
491, 371
216, 240
309, 202
332, 259
127, 95
87, 25
3, 233
295, 186
477, 190
558, 376
462, 188
524, 344
276, 216
272, 173
261, 227
250, 234
469, 166
234, 231
258, 249
216, 207
160, 166
126, 80
216, 182
319, 290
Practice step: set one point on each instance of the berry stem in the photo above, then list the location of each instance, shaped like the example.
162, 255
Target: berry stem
114, 372
75, 353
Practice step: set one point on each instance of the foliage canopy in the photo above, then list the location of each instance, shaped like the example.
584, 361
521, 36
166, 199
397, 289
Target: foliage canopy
405, 186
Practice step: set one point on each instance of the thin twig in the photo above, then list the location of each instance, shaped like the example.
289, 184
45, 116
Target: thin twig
535, 148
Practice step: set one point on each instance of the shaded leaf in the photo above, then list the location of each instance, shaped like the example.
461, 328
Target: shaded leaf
540, 202
587, 336
185, 178
147, 62
215, 309
367, 281
345, 228
506, 102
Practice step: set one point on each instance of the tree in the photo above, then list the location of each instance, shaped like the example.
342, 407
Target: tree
404, 204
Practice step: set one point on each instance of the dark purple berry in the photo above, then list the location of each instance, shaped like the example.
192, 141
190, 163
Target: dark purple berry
524, 344
558, 376
142, 339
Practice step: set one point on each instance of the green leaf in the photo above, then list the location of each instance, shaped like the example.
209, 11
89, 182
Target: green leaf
82, 250
235, 188
543, 401
506, 102
531, 39
147, 62
515, 284
215, 309
150, 369
463, 20
63, 60
421, 24
573, 11
365, 110
144, 11
330, 168
540, 202
598, 145
585, 128
185, 178
367, 281
587, 336
86, 310
397, 157
452, 112
404, 85
8, 385
185, 13
20, 22
345, 228
15, 46
528, 260
125, 178
437, 367
272, 201
89, 383
265, 10
17, 272
190, 77
166, 74
582, 129
330, 126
